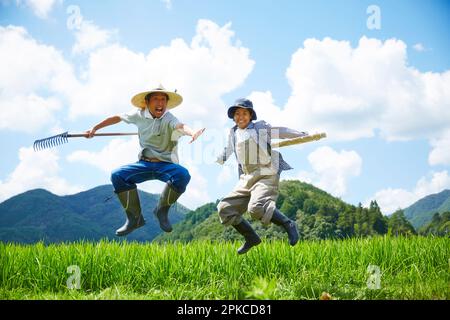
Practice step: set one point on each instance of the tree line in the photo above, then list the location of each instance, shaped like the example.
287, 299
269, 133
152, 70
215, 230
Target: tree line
318, 216
322, 216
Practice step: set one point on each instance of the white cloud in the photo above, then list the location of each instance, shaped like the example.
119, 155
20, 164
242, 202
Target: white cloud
391, 199
196, 192
34, 112
351, 92
36, 170
331, 169
419, 47
440, 154
41, 8
115, 154
31, 78
202, 71
266, 108
224, 175
28, 65
228, 171
438, 182
89, 37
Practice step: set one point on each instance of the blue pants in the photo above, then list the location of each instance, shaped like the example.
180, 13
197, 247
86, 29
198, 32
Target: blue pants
126, 177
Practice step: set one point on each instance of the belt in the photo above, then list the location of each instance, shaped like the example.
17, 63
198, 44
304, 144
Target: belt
150, 159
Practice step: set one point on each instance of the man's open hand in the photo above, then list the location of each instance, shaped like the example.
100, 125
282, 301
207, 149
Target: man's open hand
197, 134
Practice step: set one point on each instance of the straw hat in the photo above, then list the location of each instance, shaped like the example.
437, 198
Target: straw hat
174, 98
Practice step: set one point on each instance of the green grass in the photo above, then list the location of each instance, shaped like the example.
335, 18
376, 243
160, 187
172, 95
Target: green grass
411, 268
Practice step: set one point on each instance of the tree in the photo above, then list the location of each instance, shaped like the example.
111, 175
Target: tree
345, 223
288, 209
438, 226
377, 221
399, 225
309, 206
323, 229
362, 224
305, 223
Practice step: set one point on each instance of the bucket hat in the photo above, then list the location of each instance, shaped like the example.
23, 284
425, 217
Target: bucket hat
241, 103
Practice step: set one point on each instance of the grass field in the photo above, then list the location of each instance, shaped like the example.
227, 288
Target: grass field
375, 268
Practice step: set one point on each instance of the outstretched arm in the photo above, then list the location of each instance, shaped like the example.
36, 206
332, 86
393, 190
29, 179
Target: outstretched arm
227, 151
107, 122
189, 132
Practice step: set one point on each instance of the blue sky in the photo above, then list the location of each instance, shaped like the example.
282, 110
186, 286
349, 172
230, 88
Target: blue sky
381, 94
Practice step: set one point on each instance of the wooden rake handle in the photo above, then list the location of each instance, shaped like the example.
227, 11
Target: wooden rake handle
298, 140
78, 135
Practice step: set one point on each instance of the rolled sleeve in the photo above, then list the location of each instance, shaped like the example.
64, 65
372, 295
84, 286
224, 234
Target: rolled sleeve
173, 121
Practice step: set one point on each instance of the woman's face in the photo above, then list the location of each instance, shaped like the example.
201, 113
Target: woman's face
242, 117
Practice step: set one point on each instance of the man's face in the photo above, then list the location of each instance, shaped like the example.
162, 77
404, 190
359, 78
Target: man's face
242, 117
157, 104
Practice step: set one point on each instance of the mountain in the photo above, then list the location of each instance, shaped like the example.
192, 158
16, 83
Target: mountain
92, 215
421, 212
95, 214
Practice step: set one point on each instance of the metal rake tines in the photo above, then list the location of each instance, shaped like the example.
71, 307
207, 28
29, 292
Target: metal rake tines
51, 141
64, 137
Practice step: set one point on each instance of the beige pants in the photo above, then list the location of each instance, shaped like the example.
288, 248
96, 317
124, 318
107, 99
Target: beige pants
255, 194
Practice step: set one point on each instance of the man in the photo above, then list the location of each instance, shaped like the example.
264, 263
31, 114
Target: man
259, 175
158, 131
